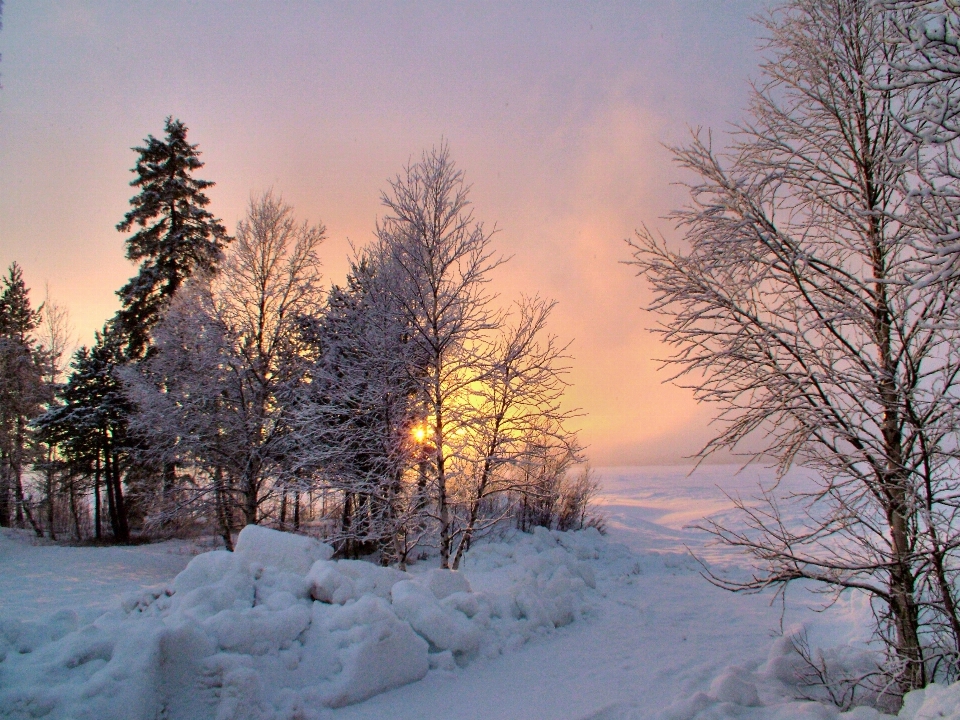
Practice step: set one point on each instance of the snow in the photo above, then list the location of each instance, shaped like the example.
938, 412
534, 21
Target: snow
277, 629
546, 625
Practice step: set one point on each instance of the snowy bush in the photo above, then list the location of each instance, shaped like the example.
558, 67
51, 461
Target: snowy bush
278, 630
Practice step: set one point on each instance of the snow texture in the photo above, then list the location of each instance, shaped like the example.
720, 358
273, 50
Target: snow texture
279, 630
248, 635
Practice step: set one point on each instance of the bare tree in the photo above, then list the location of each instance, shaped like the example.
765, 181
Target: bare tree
440, 259
518, 415
55, 338
795, 310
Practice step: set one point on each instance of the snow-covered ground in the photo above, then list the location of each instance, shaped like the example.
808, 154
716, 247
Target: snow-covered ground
652, 640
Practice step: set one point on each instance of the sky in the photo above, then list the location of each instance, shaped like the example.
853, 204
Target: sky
559, 113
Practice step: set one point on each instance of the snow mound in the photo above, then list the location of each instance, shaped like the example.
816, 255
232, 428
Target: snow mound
279, 630
771, 692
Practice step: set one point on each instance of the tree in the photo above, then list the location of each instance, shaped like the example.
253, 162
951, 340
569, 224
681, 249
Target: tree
795, 310
353, 420
186, 411
925, 67
228, 353
90, 426
440, 260
55, 339
22, 390
519, 421
177, 236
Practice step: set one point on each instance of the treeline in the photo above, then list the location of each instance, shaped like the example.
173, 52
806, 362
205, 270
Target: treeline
402, 410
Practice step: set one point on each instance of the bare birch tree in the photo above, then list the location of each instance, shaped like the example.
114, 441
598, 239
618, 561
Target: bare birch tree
55, 337
519, 418
795, 310
440, 259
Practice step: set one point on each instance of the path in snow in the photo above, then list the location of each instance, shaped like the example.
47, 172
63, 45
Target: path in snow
655, 635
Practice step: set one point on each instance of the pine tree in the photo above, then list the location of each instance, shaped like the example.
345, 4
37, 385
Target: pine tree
177, 236
22, 389
90, 426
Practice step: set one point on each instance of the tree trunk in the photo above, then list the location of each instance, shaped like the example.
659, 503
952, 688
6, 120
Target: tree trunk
474, 514
122, 520
97, 507
296, 510
169, 483
250, 499
50, 496
893, 481
4, 489
74, 510
18, 496
17, 462
223, 511
442, 508
346, 521
111, 500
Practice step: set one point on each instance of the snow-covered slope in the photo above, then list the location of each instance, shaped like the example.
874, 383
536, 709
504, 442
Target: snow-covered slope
279, 631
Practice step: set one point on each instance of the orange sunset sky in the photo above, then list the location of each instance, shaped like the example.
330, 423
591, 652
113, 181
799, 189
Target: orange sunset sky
556, 111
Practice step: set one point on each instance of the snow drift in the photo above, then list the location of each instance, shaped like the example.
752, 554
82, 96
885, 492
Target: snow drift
771, 692
279, 630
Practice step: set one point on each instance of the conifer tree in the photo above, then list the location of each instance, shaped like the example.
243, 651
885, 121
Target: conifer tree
176, 235
22, 390
90, 426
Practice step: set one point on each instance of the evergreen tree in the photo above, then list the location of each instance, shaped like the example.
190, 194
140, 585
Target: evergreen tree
176, 237
22, 389
90, 426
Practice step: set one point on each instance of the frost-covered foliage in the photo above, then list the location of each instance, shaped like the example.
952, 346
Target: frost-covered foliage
398, 413
225, 352
278, 629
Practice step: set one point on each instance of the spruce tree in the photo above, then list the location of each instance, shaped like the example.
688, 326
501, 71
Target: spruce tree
90, 426
22, 389
176, 235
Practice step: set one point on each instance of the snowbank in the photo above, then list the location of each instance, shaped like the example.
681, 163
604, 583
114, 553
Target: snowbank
770, 692
279, 630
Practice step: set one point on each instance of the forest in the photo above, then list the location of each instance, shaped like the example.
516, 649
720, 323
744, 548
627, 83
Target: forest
408, 407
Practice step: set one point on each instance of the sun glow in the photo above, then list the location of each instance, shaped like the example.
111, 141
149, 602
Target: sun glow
421, 433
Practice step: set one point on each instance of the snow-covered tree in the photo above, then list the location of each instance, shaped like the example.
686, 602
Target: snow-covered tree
924, 64
440, 260
356, 415
89, 425
23, 392
795, 309
176, 235
210, 394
